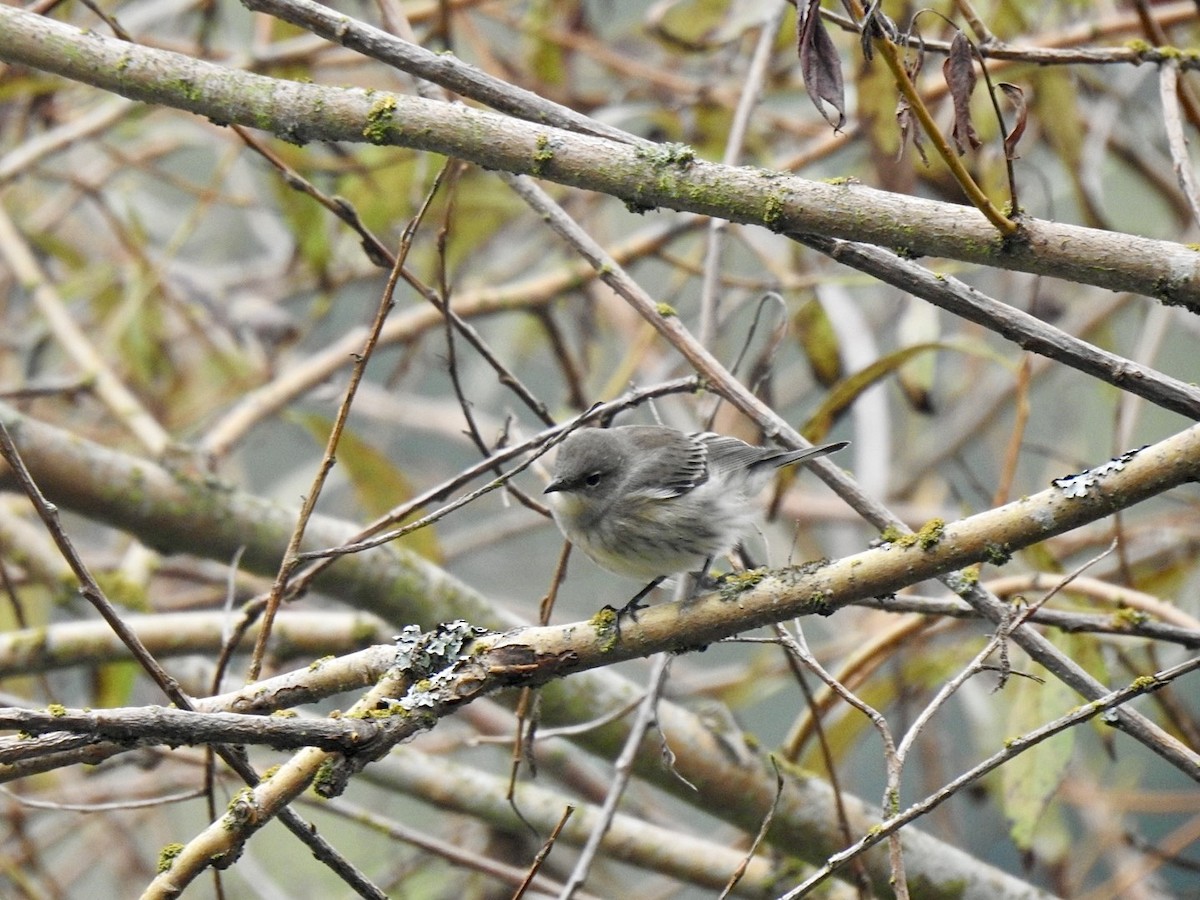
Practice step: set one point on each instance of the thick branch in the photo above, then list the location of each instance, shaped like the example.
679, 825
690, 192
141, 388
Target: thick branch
667, 176
153, 725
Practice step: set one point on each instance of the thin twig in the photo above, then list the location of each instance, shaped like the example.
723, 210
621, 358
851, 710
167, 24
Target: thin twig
1028, 331
89, 588
291, 558
759, 837
380, 255
443, 69
795, 643
1070, 45
1181, 161
555, 437
748, 99
464, 404
622, 772
542, 853
862, 879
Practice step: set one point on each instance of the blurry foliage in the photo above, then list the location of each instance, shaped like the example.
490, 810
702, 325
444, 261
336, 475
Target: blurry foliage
204, 278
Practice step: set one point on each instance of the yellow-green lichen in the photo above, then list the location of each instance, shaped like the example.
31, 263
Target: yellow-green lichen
893, 802
736, 583
996, 554
323, 781
379, 120
57, 710
931, 533
666, 310
606, 627
927, 537
167, 855
818, 603
542, 156
381, 712
1127, 618
773, 210
240, 810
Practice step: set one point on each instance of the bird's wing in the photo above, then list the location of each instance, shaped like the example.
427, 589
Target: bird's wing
730, 454
669, 463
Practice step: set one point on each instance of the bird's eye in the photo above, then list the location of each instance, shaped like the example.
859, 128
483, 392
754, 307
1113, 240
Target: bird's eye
593, 479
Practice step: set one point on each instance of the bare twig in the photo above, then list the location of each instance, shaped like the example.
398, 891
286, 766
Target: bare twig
710, 302
1181, 161
796, 645
622, 771
1070, 45
758, 838
443, 69
88, 586
862, 880
542, 853
291, 558
1028, 331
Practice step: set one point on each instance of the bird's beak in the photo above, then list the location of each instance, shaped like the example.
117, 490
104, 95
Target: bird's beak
552, 487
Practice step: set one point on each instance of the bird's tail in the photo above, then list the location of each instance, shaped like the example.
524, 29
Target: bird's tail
789, 457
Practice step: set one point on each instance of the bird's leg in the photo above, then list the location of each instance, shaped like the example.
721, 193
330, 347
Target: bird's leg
633, 606
701, 580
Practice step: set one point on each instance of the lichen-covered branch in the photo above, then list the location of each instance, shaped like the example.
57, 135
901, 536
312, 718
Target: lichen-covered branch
667, 176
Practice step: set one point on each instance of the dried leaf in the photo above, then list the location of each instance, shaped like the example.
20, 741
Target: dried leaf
959, 70
1016, 97
819, 64
875, 25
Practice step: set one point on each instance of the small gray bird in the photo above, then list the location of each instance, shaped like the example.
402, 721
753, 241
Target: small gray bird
647, 501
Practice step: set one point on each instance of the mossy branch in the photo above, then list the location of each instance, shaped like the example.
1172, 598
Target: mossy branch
643, 179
